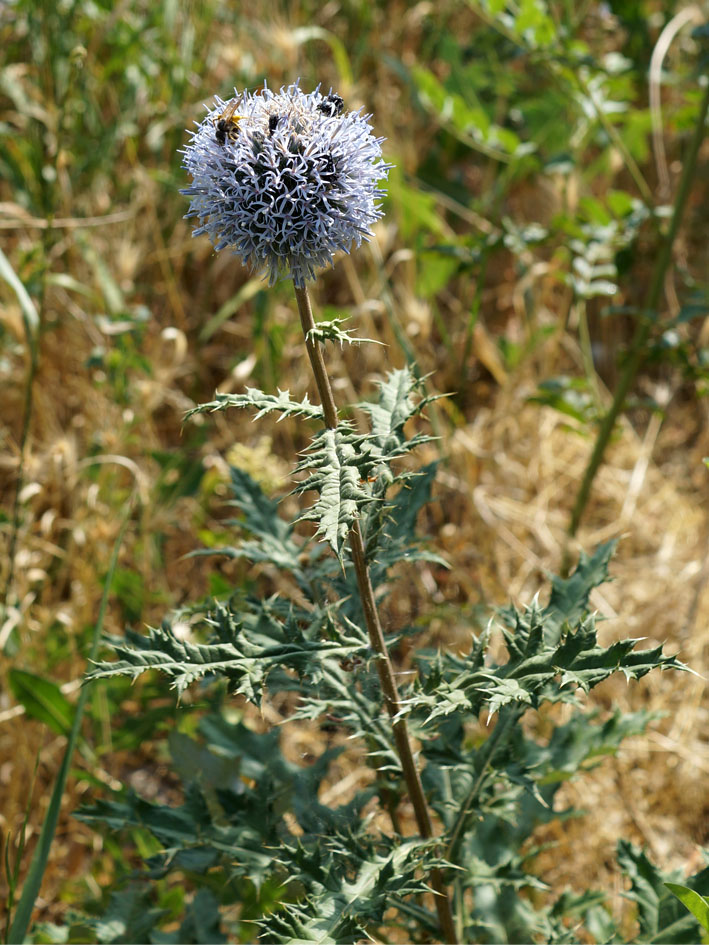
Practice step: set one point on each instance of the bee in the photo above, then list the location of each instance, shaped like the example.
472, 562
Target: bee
227, 124
332, 105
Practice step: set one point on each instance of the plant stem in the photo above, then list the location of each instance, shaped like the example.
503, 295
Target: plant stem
374, 629
483, 759
638, 345
40, 857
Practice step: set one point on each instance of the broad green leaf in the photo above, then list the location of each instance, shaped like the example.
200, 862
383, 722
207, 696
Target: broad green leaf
570, 396
471, 124
129, 588
113, 295
697, 905
662, 917
621, 202
435, 271
338, 49
43, 700
417, 210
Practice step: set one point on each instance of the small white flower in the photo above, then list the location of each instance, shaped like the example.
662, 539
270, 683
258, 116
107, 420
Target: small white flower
285, 179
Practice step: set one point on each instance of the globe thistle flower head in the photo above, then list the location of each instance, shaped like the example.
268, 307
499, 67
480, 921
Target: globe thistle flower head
285, 179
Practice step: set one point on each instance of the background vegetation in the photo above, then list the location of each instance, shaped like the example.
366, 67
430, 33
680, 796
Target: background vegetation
533, 144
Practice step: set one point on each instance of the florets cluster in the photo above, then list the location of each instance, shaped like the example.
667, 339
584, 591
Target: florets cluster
285, 179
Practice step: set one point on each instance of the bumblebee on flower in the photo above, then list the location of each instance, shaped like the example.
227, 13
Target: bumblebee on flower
285, 179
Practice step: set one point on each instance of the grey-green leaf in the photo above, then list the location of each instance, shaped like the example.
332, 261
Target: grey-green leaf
262, 403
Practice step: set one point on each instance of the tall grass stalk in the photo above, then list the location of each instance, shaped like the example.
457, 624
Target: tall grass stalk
12, 870
38, 865
31, 324
638, 349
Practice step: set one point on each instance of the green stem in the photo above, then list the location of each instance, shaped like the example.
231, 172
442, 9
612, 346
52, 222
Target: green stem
484, 758
638, 345
587, 352
374, 629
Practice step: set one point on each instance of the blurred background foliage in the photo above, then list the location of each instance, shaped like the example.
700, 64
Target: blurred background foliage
538, 146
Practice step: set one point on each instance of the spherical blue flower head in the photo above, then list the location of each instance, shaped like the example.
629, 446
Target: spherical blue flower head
285, 179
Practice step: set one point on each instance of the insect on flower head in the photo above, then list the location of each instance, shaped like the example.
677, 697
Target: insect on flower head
285, 179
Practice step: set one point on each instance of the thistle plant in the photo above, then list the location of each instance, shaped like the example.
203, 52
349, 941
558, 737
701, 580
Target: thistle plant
286, 180
291, 180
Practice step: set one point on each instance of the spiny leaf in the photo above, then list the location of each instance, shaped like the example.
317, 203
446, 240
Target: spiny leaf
191, 838
340, 467
569, 596
263, 403
338, 909
260, 514
342, 461
331, 331
273, 543
202, 923
389, 527
245, 648
352, 696
394, 406
552, 653
551, 673
581, 742
128, 918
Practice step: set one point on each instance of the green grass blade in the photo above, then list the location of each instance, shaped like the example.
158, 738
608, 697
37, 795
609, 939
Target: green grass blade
42, 700
33, 882
232, 305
